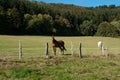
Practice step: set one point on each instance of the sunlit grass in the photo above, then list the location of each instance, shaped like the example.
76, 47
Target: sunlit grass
9, 45
35, 66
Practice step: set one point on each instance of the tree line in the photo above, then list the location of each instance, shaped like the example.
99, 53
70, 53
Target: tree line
26, 17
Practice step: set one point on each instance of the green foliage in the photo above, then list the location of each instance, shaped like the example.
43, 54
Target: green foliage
87, 28
117, 25
32, 17
39, 24
14, 17
27, 17
62, 26
107, 30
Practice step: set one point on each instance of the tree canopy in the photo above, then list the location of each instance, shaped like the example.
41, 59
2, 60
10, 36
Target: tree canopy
28, 17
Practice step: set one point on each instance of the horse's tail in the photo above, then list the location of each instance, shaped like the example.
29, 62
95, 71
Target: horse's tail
64, 48
64, 45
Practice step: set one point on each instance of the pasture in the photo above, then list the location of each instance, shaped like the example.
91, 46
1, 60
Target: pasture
35, 66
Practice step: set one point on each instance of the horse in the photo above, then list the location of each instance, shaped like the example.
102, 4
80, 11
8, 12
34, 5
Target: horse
58, 44
100, 45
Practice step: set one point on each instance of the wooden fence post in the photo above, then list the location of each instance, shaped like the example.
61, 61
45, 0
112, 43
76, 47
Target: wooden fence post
46, 50
80, 48
72, 48
20, 49
104, 51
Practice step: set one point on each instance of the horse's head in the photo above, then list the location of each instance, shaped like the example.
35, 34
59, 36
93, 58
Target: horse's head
53, 37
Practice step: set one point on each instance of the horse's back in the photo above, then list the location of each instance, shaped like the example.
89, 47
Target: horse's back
61, 42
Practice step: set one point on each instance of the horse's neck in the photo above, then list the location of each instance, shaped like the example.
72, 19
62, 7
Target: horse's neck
54, 40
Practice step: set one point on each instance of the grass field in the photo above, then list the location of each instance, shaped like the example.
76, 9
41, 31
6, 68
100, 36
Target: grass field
34, 65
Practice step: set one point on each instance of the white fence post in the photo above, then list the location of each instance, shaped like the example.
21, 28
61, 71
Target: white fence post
20, 49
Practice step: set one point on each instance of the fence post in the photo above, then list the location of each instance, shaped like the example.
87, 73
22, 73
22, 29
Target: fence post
80, 48
72, 48
46, 50
106, 53
103, 51
20, 49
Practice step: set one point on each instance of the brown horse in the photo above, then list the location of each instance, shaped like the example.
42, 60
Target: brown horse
58, 44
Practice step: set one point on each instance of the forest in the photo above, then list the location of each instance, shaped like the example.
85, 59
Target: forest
29, 17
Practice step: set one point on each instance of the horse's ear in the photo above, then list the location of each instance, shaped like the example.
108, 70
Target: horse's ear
53, 36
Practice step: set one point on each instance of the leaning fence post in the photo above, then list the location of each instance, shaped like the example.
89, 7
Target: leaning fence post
46, 50
20, 49
80, 48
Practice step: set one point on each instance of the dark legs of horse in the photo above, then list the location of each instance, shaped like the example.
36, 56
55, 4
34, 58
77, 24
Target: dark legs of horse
62, 50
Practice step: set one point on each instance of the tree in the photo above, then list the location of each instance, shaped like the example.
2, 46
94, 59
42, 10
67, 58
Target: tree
107, 30
62, 26
34, 25
14, 15
3, 21
117, 25
87, 28
40, 24
47, 24
27, 17
32, 17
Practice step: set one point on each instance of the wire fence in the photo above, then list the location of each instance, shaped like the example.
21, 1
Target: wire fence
39, 50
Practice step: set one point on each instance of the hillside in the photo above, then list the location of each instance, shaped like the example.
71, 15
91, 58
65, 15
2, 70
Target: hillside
24, 17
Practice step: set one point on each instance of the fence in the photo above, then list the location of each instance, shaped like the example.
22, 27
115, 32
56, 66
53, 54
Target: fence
26, 49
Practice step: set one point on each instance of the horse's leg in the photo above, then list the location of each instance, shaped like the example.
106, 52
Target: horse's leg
61, 49
54, 49
62, 52
64, 47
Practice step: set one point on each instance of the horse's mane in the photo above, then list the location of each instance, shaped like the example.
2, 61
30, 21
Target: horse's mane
53, 39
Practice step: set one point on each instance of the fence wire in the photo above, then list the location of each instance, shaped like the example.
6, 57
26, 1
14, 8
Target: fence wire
38, 50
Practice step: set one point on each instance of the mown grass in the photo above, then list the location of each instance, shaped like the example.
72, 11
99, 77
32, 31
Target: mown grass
34, 65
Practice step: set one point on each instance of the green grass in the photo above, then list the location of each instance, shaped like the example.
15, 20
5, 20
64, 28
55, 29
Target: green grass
62, 68
36, 44
34, 65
